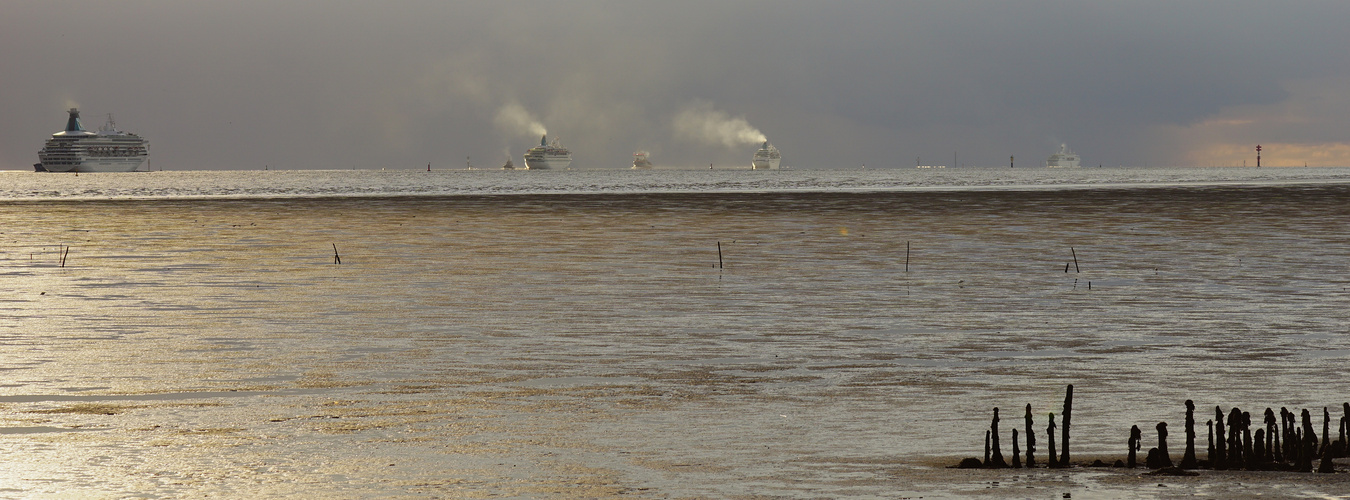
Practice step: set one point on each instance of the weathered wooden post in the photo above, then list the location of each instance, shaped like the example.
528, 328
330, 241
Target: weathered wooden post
1068, 409
1050, 431
1159, 458
1188, 460
998, 461
1219, 460
1031, 441
1131, 461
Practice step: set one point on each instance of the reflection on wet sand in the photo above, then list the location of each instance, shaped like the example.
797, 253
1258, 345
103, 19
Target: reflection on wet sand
587, 346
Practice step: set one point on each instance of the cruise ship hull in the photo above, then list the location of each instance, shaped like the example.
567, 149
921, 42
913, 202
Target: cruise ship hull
547, 162
1063, 159
548, 156
97, 165
765, 163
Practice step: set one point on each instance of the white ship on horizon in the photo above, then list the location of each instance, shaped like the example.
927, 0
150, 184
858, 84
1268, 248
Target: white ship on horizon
547, 155
78, 150
767, 157
640, 160
1065, 158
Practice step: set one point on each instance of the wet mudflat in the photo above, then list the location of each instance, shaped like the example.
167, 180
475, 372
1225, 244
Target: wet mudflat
590, 345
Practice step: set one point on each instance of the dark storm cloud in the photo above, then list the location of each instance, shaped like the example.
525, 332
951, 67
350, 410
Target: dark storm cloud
359, 84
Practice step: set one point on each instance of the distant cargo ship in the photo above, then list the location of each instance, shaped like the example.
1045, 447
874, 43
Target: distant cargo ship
640, 160
1063, 159
767, 157
78, 150
547, 155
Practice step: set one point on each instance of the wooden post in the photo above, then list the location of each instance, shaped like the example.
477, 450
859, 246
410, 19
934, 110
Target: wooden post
719, 255
1188, 460
1050, 431
1068, 410
337, 259
1031, 441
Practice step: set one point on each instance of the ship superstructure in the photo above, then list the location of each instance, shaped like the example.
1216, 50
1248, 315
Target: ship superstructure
1065, 158
78, 150
767, 157
548, 155
640, 160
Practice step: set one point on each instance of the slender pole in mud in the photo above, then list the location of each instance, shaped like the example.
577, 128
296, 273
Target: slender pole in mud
719, 255
336, 258
906, 256
65, 252
1075, 261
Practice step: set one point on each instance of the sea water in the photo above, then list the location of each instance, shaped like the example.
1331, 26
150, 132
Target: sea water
655, 333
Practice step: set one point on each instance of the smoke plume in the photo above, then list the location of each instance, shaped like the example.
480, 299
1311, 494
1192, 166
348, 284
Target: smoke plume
515, 119
700, 121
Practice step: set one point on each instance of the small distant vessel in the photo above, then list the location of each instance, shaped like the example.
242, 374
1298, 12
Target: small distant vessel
78, 150
547, 155
767, 157
640, 160
509, 165
1065, 158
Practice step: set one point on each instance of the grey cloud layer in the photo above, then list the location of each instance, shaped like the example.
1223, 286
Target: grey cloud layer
356, 84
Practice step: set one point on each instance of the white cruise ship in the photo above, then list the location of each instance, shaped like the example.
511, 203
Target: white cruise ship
767, 157
1063, 159
78, 150
640, 160
547, 155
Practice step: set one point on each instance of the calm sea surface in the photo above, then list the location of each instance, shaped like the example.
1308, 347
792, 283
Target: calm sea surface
581, 333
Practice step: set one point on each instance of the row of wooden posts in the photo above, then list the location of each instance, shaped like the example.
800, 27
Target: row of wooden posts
1282, 444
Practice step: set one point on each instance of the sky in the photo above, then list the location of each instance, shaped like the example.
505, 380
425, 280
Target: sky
315, 84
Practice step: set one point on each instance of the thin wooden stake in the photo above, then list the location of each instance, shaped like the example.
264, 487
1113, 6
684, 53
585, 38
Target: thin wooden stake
906, 256
336, 258
719, 255
1075, 260
65, 252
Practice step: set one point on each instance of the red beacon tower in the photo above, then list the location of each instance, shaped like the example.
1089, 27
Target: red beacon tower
1258, 156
